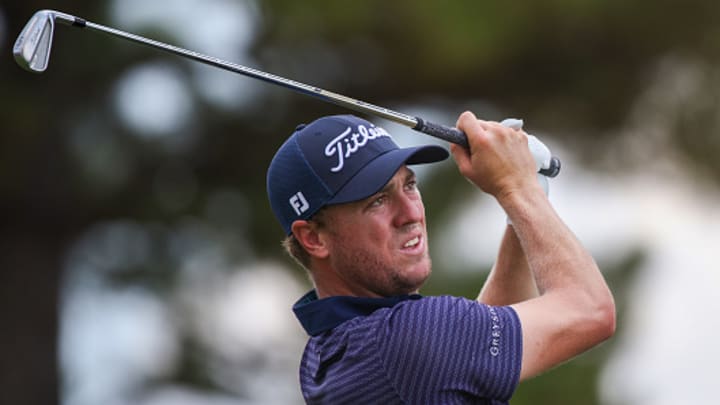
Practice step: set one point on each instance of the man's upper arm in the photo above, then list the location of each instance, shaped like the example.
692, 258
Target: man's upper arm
553, 331
453, 344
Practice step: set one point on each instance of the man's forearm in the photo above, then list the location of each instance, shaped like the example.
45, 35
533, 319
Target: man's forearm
556, 257
510, 281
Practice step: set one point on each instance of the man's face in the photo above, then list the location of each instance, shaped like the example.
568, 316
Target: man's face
378, 246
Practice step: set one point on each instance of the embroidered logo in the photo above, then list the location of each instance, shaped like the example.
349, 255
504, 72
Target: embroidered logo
496, 332
349, 142
299, 203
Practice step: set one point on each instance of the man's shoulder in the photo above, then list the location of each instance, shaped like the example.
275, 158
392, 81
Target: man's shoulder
425, 307
405, 319
442, 307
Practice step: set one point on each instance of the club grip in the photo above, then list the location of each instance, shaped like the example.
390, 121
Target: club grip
449, 134
457, 136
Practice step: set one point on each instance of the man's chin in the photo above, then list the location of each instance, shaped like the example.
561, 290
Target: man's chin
415, 278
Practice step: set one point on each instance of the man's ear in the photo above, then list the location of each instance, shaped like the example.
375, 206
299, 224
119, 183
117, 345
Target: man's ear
308, 235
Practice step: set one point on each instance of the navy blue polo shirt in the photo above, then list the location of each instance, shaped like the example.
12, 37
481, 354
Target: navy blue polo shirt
408, 350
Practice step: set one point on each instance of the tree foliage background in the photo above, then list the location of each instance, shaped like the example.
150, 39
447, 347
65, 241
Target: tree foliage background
70, 165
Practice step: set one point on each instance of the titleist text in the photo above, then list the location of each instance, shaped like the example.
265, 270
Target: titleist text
349, 142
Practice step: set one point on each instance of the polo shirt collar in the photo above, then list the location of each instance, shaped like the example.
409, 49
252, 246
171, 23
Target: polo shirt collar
319, 315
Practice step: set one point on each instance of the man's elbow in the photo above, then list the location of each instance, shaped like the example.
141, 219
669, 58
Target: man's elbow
603, 318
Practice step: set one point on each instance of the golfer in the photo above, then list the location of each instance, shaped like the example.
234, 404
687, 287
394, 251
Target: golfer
349, 203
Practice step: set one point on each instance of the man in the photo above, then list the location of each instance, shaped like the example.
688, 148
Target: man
348, 201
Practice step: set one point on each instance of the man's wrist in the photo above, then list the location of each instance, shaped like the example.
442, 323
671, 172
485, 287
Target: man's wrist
521, 201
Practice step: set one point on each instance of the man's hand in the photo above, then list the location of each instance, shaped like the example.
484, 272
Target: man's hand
499, 161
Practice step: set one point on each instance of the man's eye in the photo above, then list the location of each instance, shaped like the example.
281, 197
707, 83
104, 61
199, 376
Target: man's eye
378, 201
412, 185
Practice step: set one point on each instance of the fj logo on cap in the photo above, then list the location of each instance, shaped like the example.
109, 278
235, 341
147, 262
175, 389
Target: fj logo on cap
299, 203
350, 142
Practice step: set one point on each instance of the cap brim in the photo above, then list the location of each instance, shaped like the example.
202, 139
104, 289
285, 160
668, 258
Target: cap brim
378, 172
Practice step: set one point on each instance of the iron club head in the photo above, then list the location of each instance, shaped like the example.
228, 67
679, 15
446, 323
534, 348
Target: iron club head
32, 47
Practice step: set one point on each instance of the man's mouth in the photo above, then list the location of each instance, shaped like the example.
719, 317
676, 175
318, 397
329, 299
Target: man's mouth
412, 242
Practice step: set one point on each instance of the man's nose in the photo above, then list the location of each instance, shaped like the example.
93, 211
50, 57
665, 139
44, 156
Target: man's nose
408, 210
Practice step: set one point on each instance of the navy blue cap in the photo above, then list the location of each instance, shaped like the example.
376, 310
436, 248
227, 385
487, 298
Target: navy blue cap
334, 160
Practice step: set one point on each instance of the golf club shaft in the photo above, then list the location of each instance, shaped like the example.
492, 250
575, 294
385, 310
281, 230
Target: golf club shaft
449, 134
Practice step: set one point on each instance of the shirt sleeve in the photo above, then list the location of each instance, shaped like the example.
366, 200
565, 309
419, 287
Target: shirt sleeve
446, 348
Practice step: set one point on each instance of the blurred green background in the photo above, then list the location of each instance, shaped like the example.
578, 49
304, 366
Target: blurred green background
141, 264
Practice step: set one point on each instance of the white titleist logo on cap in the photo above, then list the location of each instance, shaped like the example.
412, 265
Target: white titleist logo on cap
347, 143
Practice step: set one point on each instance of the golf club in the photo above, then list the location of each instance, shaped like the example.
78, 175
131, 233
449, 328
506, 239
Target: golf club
33, 45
